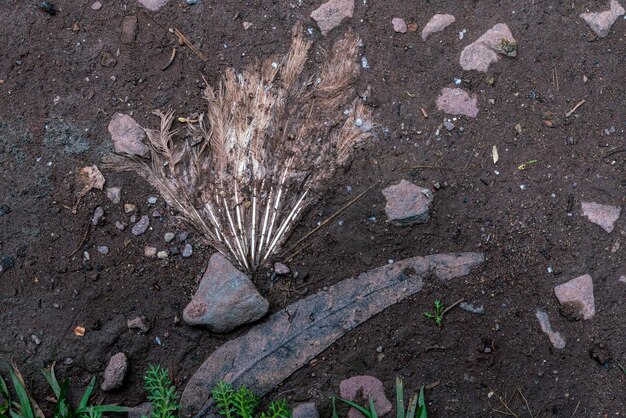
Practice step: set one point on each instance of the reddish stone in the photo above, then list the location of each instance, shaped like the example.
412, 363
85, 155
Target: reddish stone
407, 203
361, 388
578, 292
127, 135
457, 102
603, 215
330, 14
602, 22
115, 372
436, 24
480, 54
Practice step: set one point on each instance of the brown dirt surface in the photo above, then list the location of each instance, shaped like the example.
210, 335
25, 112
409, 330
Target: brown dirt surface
64, 76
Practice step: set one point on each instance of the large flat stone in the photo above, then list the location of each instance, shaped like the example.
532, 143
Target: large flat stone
604, 216
330, 14
436, 24
601, 22
578, 294
483, 52
407, 203
292, 337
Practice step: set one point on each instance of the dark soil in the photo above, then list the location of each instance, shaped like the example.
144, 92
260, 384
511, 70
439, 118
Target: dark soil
57, 100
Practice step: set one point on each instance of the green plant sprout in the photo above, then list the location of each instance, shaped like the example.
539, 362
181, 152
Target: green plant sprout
437, 316
243, 403
161, 392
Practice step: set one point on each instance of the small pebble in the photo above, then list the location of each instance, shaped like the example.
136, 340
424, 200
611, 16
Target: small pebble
364, 63
120, 225
187, 251
133, 218
86, 256
149, 251
152, 200
448, 125
56, 305
114, 194
103, 249
141, 226
96, 5
192, 2
162, 254
98, 216
129, 207
169, 237
281, 269
156, 213
487, 350
35, 339
379, 349
183, 236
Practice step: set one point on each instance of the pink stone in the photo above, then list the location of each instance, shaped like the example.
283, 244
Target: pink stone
153, 5
330, 14
457, 102
480, 54
578, 292
555, 337
361, 388
399, 25
115, 372
407, 203
601, 22
436, 24
603, 215
127, 135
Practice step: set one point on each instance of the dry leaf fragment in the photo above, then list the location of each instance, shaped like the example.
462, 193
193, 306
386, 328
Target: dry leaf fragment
494, 153
89, 178
79, 331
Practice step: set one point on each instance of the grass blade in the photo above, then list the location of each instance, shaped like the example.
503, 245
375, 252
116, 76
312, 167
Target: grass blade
410, 412
85, 399
421, 404
102, 408
52, 380
334, 408
20, 390
399, 398
373, 409
357, 407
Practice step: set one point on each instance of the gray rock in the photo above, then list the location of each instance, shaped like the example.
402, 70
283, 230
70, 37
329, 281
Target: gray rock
604, 216
487, 49
141, 226
226, 298
330, 14
153, 5
281, 269
555, 338
407, 203
305, 410
114, 194
480, 310
96, 5
115, 372
150, 251
129, 207
127, 135
98, 216
169, 236
578, 294
602, 22
361, 388
107, 60
103, 249
121, 225
457, 102
399, 25
183, 236
139, 323
141, 410
436, 24
162, 255
128, 30
187, 251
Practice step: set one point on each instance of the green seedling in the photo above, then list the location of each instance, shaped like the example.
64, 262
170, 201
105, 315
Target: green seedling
161, 392
524, 166
437, 316
243, 403
369, 413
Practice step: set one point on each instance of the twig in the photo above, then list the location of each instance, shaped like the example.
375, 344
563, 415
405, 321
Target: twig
434, 167
183, 39
451, 306
330, 218
166, 66
424, 113
504, 404
576, 409
614, 151
579, 104
525, 401
82, 241
432, 385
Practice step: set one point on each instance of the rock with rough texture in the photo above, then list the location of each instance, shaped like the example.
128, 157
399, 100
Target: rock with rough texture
150, 251
127, 135
305, 410
141, 410
107, 60
187, 251
226, 298
622, 278
153, 5
437, 23
128, 30
139, 323
361, 388
141, 226
96, 5
578, 293
555, 338
330, 14
98, 216
486, 50
604, 216
602, 22
114, 194
115, 372
399, 25
407, 203
281, 269
457, 102
271, 351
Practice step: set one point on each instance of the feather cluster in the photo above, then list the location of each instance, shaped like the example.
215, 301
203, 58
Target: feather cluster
246, 169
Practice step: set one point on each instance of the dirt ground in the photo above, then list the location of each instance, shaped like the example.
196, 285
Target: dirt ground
56, 100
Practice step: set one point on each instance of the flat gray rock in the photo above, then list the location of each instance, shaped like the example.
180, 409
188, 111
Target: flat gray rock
604, 216
602, 22
578, 294
127, 135
292, 337
407, 203
226, 298
555, 337
487, 49
330, 14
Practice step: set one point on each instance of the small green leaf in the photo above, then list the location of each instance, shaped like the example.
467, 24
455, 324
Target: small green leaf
357, 407
20, 390
373, 409
85, 399
399, 398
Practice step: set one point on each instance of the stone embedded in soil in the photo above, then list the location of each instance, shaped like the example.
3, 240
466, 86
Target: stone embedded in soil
141, 226
129, 207
150, 251
107, 60
399, 25
169, 236
486, 50
103, 249
330, 14
603, 215
141, 410
407, 203
115, 372
96, 5
361, 388
480, 310
436, 24
247, 25
128, 30
578, 293
127, 135
271, 351
153, 5
139, 323
281, 269
226, 298
187, 251
305, 410
555, 337
121, 225
457, 102
162, 255
114, 194
602, 22
98, 216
